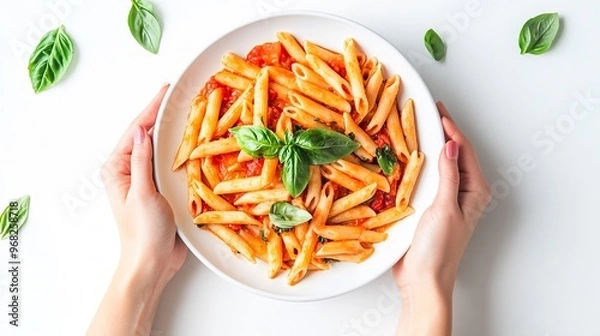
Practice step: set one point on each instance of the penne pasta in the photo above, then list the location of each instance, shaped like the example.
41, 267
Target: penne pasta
339, 247
408, 126
256, 244
332, 174
284, 125
317, 110
360, 136
366, 175
357, 212
192, 168
397, 135
269, 171
216, 147
260, 196
355, 258
226, 217
192, 130
332, 78
387, 98
261, 98
239, 185
283, 77
353, 199
262, 209
274, 252
323, 96
210, 198
240, 65
388, 216
232, 80
292, 46
233, 113
409, 179
306, 74
369, 67
210, 172
292, 246
233, 240
322, 53
372, 89
313, 190
353, 72
303, 118
209, 123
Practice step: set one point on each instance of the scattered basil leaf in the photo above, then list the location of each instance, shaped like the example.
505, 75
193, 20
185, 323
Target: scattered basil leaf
538, 33
296, 169
261, 233
435, 45
257, 141
22, 214
144, 26
50, 59
323, 146
386, 159
286, 216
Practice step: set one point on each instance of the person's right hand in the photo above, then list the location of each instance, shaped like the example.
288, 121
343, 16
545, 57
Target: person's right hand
447, 225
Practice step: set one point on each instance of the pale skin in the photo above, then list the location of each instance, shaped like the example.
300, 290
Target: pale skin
151, 251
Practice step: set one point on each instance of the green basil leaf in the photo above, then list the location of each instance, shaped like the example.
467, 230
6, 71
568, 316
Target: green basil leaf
50, 59
386, 159
286, 216
435, 45
21, 215
144, 26
538, 33
323, 146
257, 141
296, 169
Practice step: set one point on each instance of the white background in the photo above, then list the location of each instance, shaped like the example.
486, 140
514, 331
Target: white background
532, 267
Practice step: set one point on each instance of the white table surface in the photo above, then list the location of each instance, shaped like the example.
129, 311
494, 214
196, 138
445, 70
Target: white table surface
532, 266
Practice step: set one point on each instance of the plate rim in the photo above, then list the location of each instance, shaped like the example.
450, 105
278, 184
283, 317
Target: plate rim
158, 125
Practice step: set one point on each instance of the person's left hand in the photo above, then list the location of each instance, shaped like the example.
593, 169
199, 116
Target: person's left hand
149, 241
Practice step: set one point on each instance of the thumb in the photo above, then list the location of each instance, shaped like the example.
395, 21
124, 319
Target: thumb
141, 161
449, 174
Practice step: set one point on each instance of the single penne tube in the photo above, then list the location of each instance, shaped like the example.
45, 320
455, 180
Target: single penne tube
372, 167
211, 116
372, 89
239, 65
339, 247
303, 118
388, 216
368, 236
189, 140
366, 175
361, 153
274, 253
232, 80
210, 172
323, 96
339, 84
408, 125
301, 231
280, 90
353, 72
397, 134
261, 209
345, 180
339, 232
233, 240
260, 196
292, 246
351, 200
304, 73
226, 217
387, 98
239, 185
244, 157
292, 46
357, 212
315, 109
323, 53
208, 196
269, 171
368, 68
233, 113
247, 114
360, 135
194, 201
354, 258
283, 77
256, 243
409, 179
261, 98
362, 58
317, 264
320, 215
313, 190
216, 147
284, 125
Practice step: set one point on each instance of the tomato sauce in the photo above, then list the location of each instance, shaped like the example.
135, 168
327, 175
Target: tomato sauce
338, 66
382, 201
229, 94
382, 138
272, 53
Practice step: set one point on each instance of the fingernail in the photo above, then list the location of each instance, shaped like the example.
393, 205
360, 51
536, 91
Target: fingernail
139, 135
452, 150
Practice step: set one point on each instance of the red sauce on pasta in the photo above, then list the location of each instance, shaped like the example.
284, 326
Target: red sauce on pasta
382, 201
270, 54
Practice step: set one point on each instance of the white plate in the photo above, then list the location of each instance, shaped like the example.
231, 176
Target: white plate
329, 31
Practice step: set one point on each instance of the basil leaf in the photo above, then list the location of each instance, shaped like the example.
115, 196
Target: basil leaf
386, 159
144, 26
324, 146
21, 215
286, 216
296, 169
257, 141
50, 59
538, 33
435, 45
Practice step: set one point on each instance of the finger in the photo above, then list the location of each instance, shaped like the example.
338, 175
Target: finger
141, 162
146, 119
449, 174
443, 110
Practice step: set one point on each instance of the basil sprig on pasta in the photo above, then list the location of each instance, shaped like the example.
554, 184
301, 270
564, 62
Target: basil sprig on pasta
296, 152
